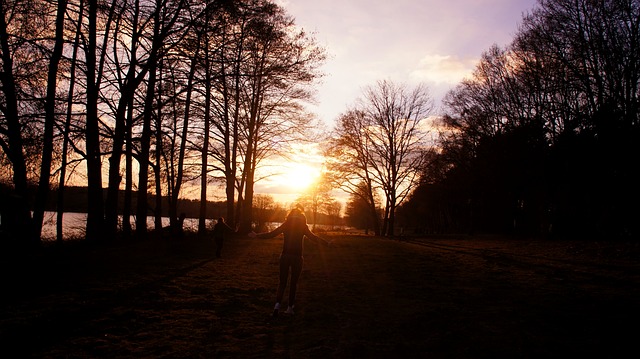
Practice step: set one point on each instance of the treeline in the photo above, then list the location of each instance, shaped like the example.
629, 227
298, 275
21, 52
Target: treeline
543, 138
145, 97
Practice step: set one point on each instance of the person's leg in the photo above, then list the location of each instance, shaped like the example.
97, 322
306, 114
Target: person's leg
296, 270
219, 242
282, 281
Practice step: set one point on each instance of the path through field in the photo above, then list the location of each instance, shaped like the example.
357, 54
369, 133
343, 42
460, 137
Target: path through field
362, 297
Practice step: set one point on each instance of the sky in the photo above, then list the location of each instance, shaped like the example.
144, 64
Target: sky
433, 42
407, 41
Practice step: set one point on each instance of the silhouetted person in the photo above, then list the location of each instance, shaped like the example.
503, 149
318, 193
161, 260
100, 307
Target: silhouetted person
294, 230
219, 230
178, 231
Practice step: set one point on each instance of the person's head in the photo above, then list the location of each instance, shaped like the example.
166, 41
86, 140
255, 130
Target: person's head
221, 220
296, 216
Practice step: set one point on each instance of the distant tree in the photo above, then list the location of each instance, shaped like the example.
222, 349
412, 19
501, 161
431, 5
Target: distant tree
333, 210
318, 198
357, 214
263, 206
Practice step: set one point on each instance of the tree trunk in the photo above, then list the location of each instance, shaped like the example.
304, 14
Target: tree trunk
128, 188
202, 218
145, 142
50, 118
204, 170
67, 127
248, 180
173, 210
157, 173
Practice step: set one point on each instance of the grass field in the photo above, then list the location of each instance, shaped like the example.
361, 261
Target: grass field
363, 297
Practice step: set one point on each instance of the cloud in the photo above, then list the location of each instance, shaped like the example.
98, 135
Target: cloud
443, 69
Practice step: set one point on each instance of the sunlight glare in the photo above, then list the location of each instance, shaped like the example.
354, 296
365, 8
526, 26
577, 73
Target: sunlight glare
299, 177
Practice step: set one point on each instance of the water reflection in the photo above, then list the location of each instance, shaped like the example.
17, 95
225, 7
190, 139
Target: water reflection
74, 224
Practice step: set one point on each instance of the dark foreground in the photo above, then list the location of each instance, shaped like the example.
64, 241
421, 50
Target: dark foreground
362, 297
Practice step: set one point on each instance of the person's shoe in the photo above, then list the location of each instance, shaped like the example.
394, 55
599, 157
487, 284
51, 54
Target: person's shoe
289, 310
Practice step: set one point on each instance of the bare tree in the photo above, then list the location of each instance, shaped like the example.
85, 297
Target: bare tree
264, 84
318, 197
380, 143
263, 205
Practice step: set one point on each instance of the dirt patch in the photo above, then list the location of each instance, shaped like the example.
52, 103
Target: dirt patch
362, 297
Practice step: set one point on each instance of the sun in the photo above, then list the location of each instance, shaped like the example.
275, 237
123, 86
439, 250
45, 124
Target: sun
298, 177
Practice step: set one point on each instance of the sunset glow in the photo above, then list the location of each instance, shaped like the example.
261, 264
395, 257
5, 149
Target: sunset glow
298, 177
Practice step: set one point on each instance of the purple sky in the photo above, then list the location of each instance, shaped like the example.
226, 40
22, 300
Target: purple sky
407, 41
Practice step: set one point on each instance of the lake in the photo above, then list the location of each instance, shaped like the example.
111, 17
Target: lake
74, 224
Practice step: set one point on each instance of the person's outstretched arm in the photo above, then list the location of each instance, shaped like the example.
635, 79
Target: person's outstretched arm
229, 229
271, 234
312, 236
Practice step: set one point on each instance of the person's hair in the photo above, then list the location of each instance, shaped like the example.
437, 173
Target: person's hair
220, 219
296, 216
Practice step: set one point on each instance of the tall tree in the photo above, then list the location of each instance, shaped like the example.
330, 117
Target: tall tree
231, 39
282, 62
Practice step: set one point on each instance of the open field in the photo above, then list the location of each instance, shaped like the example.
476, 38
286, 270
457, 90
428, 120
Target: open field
362, 297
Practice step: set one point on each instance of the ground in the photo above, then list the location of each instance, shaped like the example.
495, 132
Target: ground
365, 297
